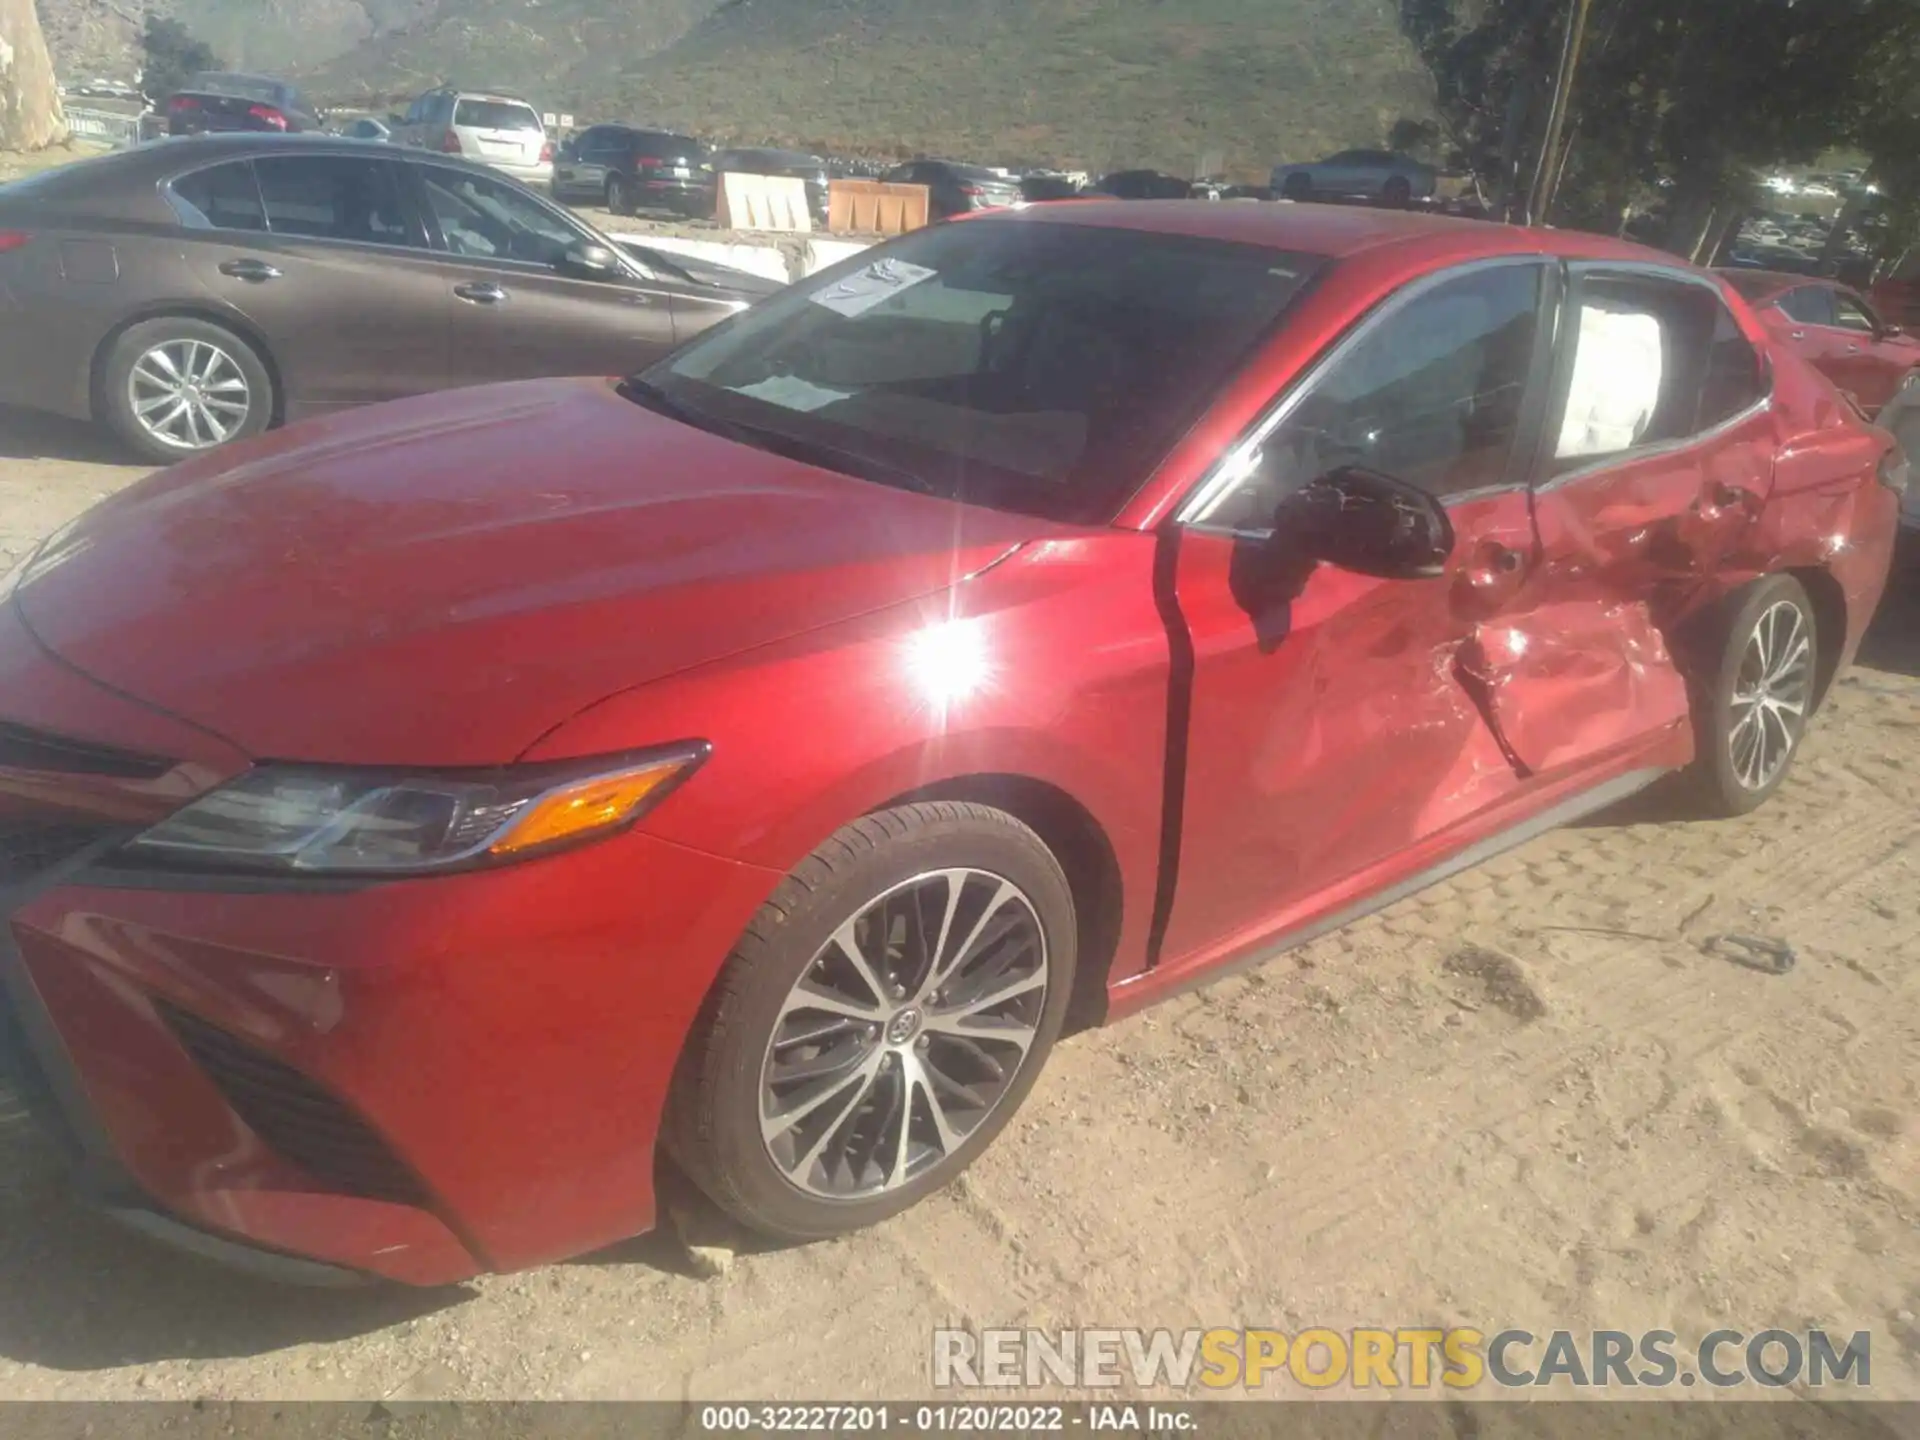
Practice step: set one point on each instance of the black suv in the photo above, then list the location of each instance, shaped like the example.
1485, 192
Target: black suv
629, 170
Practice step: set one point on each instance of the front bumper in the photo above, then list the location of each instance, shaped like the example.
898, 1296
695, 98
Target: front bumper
418, 1080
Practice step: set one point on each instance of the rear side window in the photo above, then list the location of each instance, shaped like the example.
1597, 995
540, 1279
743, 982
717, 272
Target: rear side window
495, 115
333, 198
221, 197
1655, 362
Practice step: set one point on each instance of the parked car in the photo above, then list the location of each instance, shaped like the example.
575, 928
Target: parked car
957, 189
787, 164
1039, 188
439, 808
1380, 175
188, 296
218, 103
628, 170
1154, 185
498, 129
1836, 330
367, 128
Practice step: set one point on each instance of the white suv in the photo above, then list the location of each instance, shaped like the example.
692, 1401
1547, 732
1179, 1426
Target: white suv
503, 131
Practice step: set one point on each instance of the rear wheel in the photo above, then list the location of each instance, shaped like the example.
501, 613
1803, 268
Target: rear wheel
1398, 192
1298, 187
1750, 722
879, 1023
176, 387
620, 196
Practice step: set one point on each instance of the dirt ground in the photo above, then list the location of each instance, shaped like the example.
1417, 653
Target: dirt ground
1532, 1096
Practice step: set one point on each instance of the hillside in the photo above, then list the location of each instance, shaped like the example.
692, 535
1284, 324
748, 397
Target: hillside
1188, 85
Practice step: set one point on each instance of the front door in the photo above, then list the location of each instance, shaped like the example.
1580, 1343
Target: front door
513, 308
1332, 726
324, 259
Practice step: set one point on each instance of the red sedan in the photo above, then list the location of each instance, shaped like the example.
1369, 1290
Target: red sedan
416, 818
1836, 330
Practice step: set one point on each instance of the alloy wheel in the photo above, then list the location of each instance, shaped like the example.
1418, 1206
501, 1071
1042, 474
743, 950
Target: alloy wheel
1771, 695
189, 394
903, 1034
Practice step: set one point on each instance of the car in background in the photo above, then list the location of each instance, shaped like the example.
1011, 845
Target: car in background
495, 128
443, 816
782, 164
1155, 185
955, 189
1382, 175
628, 169
219, 102
1037, 189
188, 296
367, 128
1836, 330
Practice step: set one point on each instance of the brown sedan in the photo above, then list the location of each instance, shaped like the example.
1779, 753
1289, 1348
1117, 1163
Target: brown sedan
192, 292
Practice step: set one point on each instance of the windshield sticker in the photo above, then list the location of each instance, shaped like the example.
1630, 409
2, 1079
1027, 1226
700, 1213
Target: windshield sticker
879, 282
790, 392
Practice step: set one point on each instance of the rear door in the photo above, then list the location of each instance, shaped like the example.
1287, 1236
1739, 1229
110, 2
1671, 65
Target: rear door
1659, 458
323, 257
1333, 726
499, 131
512, 308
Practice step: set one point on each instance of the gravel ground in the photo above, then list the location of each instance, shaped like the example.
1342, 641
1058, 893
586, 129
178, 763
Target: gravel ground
1531, 1096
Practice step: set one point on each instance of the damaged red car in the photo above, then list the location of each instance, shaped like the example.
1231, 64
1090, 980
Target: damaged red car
416, 822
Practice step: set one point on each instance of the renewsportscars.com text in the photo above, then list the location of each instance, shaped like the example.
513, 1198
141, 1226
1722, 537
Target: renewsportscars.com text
1411, 1358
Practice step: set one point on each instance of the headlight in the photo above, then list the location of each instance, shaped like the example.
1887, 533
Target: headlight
324, 821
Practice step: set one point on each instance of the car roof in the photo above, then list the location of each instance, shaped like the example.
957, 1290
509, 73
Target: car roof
159, 160
1761, 285
1334, 231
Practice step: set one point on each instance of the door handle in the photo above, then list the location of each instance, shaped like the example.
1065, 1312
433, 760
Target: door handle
481, 293
1853, 349
254, 272
1797, 335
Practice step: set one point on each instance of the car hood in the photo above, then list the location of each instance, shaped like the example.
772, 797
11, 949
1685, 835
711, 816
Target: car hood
443, 580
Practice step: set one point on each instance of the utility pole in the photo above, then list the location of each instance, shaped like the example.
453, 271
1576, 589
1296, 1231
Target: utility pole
1538, 197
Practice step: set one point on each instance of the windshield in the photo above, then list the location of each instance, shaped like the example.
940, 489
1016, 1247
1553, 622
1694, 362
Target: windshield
1037, 367
239, 87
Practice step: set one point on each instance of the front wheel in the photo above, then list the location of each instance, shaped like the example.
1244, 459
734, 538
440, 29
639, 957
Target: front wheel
1398, 192
879, 1023
1298, 187
620, 199
1753, 713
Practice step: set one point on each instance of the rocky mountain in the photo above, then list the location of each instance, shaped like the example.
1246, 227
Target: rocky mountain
1189, 85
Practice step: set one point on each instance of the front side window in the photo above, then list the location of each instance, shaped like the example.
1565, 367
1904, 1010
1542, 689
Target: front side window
489, 220
221, 197
1432, 393
1850, 314
1034, 366
1657, 361
1810, 305
333, 197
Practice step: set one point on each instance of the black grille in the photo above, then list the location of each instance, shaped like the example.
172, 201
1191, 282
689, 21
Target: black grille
296, 1117
29, 847
24, 749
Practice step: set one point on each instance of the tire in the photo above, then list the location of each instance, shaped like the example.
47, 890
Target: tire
1397, 192
837, 1164
619, 198
1771, 620
1297, 187
133, 378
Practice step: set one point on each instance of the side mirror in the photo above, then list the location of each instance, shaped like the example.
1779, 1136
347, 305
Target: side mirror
595, 262
1369, 523
1892, 332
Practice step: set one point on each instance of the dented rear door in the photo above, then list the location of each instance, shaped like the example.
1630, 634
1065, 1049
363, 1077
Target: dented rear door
1656, 461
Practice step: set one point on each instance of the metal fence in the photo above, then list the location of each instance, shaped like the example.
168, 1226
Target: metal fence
106, 126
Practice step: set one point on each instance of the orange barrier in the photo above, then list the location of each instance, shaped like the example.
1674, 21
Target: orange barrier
871, 207
764, 202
